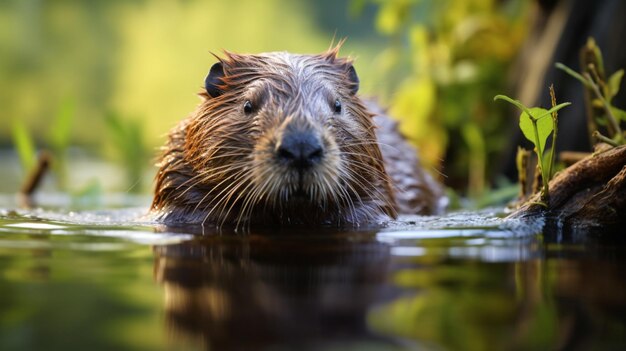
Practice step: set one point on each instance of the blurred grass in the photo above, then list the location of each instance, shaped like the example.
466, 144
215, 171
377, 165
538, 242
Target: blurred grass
24, 145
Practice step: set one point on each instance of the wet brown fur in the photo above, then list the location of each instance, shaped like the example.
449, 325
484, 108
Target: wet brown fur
218, 167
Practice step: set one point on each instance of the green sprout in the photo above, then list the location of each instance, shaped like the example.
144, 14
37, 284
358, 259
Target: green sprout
25, 146
536, 127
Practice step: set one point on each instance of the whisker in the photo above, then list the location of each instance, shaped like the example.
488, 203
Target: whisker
228, 189
368, 143
242, 192
254, 194
377, 196
217, 187
233, 167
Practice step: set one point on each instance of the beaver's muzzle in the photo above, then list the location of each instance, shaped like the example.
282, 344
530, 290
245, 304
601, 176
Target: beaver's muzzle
299, 149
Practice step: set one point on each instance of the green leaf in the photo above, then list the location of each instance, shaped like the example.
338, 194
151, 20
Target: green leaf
24, 145
619, 113
512, 101
557, 107
614, 82
544, 125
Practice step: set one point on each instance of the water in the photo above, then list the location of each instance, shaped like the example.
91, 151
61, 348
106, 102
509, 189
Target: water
108, 280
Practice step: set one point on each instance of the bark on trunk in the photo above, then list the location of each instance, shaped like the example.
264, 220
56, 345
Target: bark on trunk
589, 196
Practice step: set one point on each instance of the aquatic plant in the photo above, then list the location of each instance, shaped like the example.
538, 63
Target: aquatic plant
537, 128
589, 194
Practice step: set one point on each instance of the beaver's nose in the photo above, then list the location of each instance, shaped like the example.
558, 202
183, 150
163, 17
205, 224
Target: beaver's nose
300, 149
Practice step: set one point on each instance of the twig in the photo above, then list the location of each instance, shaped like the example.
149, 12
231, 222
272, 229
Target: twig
36, 175
604, 139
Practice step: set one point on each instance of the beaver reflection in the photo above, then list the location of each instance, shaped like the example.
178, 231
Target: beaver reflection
255, 291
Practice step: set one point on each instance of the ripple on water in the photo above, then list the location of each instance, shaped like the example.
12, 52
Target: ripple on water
483, 236
478, 230
123, 224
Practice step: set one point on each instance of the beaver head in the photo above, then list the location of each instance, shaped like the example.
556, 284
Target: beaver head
278, 138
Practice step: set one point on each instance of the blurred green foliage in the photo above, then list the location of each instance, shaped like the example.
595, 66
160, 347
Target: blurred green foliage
127, 139
457, 54
437, 69
68, 63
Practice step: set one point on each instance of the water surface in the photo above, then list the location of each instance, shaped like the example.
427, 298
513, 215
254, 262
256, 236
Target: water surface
108, 280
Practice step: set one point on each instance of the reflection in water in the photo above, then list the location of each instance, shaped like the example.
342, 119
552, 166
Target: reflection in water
250, 292
73, 285
355, 290
561, 296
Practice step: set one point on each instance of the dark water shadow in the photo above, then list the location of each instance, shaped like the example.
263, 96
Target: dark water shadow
275, 289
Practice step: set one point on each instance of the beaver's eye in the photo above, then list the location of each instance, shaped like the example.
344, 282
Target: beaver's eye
337, 106
247, 107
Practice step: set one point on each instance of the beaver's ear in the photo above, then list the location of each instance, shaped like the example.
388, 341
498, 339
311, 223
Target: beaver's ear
353, 79
213, 80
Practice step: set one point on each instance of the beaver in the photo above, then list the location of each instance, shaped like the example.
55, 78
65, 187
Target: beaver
283, 138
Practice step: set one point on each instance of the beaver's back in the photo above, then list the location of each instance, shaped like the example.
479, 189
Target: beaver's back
415, 189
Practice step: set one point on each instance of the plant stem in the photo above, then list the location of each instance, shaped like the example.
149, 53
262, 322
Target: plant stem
572, 73
600, 82
544, 179
605, 104
555, 120
604, 139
